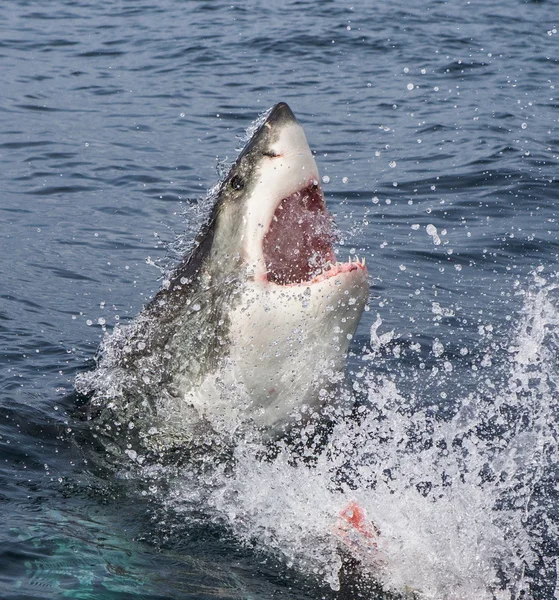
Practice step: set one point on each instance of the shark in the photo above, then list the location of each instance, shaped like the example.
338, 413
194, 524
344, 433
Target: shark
250, 331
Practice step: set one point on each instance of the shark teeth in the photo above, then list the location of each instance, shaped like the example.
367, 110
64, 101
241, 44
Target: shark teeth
358, 261
362, 262
327, 270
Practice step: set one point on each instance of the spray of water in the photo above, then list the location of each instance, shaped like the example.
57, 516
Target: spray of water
459, 504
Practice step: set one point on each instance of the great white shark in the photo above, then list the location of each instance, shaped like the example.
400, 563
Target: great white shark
251, 330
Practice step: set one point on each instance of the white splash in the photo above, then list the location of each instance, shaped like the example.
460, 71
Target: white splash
255, 125
452, 498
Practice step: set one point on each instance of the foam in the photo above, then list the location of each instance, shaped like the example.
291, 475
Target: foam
454, 505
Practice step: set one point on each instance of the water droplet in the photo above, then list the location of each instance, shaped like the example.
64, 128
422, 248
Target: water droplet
438, 348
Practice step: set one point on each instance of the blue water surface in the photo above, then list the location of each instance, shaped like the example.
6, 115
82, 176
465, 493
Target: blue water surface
435, 126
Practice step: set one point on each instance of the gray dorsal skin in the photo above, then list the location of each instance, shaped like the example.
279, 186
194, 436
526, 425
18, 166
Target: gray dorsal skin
252, 326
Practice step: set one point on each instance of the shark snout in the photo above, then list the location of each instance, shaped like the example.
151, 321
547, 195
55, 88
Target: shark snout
280, 115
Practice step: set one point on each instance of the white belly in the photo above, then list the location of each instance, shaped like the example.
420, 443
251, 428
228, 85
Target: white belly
288, 346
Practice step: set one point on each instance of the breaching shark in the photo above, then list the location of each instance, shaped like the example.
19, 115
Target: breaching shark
251, 330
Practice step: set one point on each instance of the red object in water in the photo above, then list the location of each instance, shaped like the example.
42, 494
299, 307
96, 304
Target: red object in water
354, 516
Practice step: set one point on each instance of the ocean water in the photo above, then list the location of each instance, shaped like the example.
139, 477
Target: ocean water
435, 126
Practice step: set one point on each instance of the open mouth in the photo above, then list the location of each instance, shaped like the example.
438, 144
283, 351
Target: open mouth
298, 246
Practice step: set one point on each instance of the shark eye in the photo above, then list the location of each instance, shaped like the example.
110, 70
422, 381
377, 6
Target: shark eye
270, 153
237, 182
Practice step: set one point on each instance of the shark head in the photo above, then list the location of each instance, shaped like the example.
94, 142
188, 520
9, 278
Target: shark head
293, 307
270, 215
